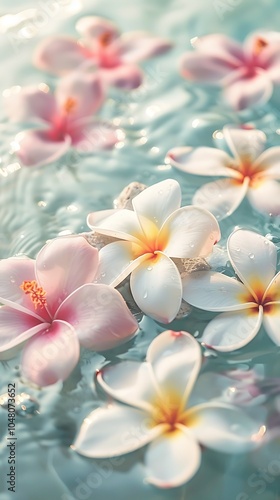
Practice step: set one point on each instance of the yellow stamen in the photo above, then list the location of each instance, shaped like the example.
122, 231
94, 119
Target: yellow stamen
259, 45
36, 293
69, 104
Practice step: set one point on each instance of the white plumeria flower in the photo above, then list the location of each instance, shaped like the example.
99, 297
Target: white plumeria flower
251, 172
153, 407
245, 304
146, 239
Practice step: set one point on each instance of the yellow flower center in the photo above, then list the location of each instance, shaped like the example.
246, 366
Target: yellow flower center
170, 410
259, 45
69, 105
151, 240
36, 293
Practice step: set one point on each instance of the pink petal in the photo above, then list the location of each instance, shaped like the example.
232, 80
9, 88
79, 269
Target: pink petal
269, 59
30, 105
243, 90
137, 46
265, 197
15, 328
99, 315
125, 76
221, 46
192, 232
51, 355
266, 55
246, 144
157, 288
36, 148
221, 197
85, 89
88, 135
59, 55
92, 27
205, 68
202, 161
63, 265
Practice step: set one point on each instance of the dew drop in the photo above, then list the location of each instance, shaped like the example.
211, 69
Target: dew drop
149, 268
145, 295
12, 279
237, 249
251, 256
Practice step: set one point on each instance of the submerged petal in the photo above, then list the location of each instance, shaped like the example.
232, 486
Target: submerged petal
157, 288
172, 459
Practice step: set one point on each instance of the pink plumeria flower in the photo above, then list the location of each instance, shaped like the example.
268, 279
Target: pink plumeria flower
51, 306
115, 55
246, 72
251, 172
145, 242
152, 407
245, 304
65, 119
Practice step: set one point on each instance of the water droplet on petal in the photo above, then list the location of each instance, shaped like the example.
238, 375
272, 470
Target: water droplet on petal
149, 268
251, 256
237, 249
12, 278
145, 295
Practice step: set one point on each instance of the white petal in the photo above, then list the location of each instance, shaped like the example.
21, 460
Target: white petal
272, 293
113, 431
265, 197
122, 224
157, 202
175, 358
221, 197
271, 321
245, 144
202, 161
253, 258
230, 331
268, 163
130, 382
214, 292
172, 459
190, 232
156, 287
224, 428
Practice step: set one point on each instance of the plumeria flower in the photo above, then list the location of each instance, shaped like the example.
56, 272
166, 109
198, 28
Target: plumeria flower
151, 405
146, 243
246, 72
250, 172
246, 303
51, 306
115, 55
65, 119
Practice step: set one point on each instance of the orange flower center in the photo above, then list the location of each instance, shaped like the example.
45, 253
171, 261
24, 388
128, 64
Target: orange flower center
36, 293
169, 410
105, 39
151, 240
259, 45
69, 105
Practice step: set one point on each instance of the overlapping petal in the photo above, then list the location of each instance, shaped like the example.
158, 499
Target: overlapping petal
203, 67
271, 321
124, 76
36, 147
92, 27
268, 163
243, 90
121, 223
265, 196
246, 144
58, 55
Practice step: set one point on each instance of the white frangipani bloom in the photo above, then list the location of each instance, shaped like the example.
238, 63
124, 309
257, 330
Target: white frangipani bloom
245, 304
145, 242
250, 172
153, 406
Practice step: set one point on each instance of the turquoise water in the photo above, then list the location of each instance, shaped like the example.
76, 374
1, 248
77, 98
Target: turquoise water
39, 204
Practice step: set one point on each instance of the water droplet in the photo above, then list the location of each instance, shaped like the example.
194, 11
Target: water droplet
12, 278
251, 256
238, 249
191, 245
145, 295
103, 275
149, 268
25, 405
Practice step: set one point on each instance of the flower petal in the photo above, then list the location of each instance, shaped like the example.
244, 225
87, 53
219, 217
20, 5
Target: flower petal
268, 163
232, 330
222, 46
51, 355
99, 315
113, 431
221, 197
224, 428
157, 288
202, 161
124, 76
30, 105
271, 321
94, 27
138, 45
91, 135
84, 89
58, 55
119, 223
36, 148
157, 202
214, 292
244, 91
253, 258
63, 265
172, 459
175, 358
192, 233
130, 382
272, 293
265, 197
246, 144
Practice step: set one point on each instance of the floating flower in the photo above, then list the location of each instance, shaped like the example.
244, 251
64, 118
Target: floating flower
51, 305
251, 172
153, 407
246, 73
247, 303
65, 118
147, 240
102, 46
